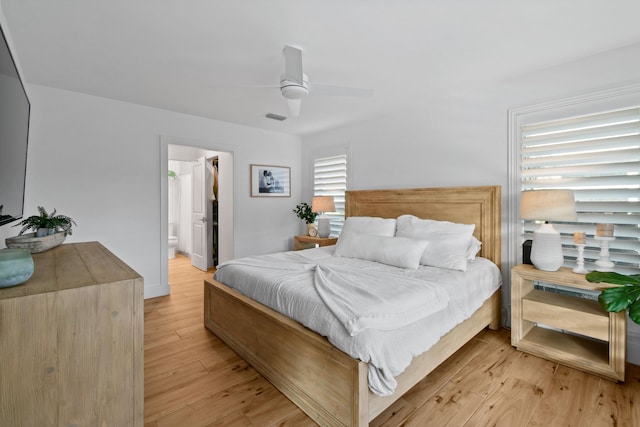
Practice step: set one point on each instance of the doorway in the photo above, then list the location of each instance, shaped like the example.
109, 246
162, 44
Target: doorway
185, 150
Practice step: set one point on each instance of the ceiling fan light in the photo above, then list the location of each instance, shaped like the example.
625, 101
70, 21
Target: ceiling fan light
294, 92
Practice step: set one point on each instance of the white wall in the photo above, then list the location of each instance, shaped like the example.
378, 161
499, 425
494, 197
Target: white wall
98, 161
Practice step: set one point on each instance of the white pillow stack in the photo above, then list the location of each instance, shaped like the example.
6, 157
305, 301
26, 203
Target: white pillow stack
408, 241
450, 246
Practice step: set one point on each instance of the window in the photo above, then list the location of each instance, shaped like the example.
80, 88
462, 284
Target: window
597, 155
330, 179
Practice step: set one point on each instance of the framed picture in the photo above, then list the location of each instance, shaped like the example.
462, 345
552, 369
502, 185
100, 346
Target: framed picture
270, 181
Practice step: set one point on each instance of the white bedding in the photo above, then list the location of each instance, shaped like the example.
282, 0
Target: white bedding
285, 282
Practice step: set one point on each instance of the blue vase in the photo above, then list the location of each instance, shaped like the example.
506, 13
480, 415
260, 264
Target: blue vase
16, 267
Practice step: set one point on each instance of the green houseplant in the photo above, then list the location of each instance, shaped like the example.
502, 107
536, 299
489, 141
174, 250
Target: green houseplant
45, 223
304, 212
624, 297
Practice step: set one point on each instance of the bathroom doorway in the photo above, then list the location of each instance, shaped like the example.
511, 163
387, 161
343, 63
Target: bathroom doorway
177, 160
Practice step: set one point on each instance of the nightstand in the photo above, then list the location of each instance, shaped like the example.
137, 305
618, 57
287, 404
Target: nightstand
306, 242
570, 330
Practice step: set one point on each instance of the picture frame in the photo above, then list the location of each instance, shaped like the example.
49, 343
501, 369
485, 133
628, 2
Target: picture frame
270, 181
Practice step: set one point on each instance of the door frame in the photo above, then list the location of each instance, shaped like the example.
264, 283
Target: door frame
226, 241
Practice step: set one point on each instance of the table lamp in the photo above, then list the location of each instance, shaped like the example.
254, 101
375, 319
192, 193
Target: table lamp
547, 205
322, 204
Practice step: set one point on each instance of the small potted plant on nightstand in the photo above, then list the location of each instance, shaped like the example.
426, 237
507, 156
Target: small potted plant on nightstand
304, 212
50, 231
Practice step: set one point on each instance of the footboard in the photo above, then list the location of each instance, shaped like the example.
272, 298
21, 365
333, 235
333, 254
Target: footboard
327, 384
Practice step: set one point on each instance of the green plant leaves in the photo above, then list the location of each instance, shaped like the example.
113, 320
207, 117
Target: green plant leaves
619, 298
48, 221
304, 212
611, 277
634, 312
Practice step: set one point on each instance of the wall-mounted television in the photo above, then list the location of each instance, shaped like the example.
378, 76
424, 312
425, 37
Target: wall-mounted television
15, 110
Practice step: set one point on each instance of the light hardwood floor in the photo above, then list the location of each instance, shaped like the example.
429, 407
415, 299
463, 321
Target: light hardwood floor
192, 379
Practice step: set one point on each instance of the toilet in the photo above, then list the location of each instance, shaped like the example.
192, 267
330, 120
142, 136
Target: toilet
173, 240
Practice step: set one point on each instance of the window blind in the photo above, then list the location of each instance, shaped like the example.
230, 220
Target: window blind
330, 179
598, 157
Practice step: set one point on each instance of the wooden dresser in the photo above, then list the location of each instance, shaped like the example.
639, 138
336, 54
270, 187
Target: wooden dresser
71, 342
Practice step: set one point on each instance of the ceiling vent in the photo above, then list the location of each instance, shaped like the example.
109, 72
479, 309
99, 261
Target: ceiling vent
277, 117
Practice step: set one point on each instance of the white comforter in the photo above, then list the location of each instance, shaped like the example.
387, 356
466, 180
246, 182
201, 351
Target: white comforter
311, 287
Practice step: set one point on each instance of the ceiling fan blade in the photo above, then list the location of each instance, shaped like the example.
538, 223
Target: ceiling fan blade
293, 64
239, 86
330, 90
294, 107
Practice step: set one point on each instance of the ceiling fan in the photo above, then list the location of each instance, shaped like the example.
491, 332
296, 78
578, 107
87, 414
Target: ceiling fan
295, 86
294, 83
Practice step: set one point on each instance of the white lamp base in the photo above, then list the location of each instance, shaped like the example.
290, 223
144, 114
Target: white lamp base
546, 249
324, 226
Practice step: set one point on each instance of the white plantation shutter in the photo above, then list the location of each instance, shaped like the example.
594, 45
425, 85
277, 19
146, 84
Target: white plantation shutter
598, 157
330, 179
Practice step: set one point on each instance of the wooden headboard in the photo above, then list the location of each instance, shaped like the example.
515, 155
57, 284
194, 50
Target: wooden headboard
466, 205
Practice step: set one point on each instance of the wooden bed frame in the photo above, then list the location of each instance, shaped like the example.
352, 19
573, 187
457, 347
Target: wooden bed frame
327, 384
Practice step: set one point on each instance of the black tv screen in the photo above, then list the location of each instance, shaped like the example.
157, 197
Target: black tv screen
14, 134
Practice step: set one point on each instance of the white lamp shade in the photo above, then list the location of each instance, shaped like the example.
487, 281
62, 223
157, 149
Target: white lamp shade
323, 204
548, 205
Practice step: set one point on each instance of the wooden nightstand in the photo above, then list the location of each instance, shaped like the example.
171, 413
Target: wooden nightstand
584, 337
306, 242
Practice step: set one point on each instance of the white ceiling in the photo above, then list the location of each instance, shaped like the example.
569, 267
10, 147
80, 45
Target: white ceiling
179, 54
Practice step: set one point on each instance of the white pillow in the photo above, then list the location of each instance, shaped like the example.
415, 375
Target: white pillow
449, 243
369, 225
474, 248
396, 251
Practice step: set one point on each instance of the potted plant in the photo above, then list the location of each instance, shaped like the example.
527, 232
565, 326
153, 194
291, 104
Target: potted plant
624, 297
304, 212
46, 224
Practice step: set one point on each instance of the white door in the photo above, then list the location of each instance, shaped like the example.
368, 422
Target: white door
199, 223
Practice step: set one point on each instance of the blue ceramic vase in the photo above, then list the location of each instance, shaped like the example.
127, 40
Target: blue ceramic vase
16, 267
